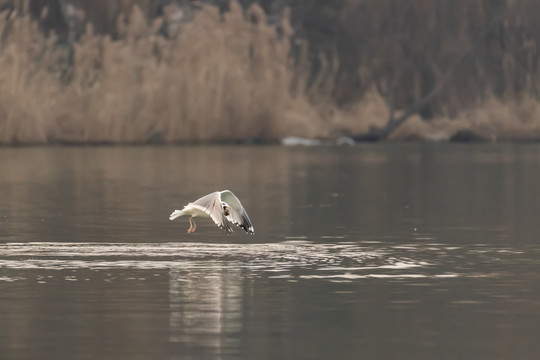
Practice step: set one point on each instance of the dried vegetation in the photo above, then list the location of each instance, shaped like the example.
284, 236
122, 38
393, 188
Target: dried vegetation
225, 77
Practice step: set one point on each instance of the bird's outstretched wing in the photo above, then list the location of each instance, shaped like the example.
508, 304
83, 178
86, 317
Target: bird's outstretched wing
237, 215
211, 205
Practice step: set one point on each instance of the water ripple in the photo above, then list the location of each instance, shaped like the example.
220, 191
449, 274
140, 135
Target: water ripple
342, 261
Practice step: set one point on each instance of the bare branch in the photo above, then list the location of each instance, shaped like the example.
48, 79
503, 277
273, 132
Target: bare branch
393, 124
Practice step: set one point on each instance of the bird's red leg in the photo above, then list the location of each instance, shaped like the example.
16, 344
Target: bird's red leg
191, 227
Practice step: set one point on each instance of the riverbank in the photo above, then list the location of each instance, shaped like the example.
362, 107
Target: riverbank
228, 77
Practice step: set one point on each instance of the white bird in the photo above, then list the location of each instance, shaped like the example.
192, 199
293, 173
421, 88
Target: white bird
221, 206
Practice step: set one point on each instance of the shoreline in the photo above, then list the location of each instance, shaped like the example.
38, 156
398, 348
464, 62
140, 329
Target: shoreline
211, 85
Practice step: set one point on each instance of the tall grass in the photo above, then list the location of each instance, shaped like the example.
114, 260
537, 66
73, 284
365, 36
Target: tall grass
27, 87
225, 77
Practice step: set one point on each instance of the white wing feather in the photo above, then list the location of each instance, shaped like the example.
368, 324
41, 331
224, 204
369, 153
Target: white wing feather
237, 215
211, 205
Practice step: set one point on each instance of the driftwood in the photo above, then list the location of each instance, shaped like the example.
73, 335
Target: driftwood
375, 133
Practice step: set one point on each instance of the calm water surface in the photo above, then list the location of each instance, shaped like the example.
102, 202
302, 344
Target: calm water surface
394, 251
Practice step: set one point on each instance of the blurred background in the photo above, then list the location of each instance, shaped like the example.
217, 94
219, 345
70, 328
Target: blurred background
164, 71
404, 245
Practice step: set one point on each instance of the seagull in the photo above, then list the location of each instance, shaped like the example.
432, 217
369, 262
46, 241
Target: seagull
221, 206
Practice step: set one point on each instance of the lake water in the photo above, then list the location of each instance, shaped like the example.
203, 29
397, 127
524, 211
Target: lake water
387, 251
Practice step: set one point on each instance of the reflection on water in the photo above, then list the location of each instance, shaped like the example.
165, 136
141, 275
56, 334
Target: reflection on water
206, 308
394, 251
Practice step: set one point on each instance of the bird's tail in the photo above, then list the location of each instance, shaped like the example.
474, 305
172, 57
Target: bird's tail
175, 214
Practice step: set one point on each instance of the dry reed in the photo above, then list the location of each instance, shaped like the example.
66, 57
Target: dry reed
492, 119
226, 77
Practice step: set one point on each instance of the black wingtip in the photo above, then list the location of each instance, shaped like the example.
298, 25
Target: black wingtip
249, 230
